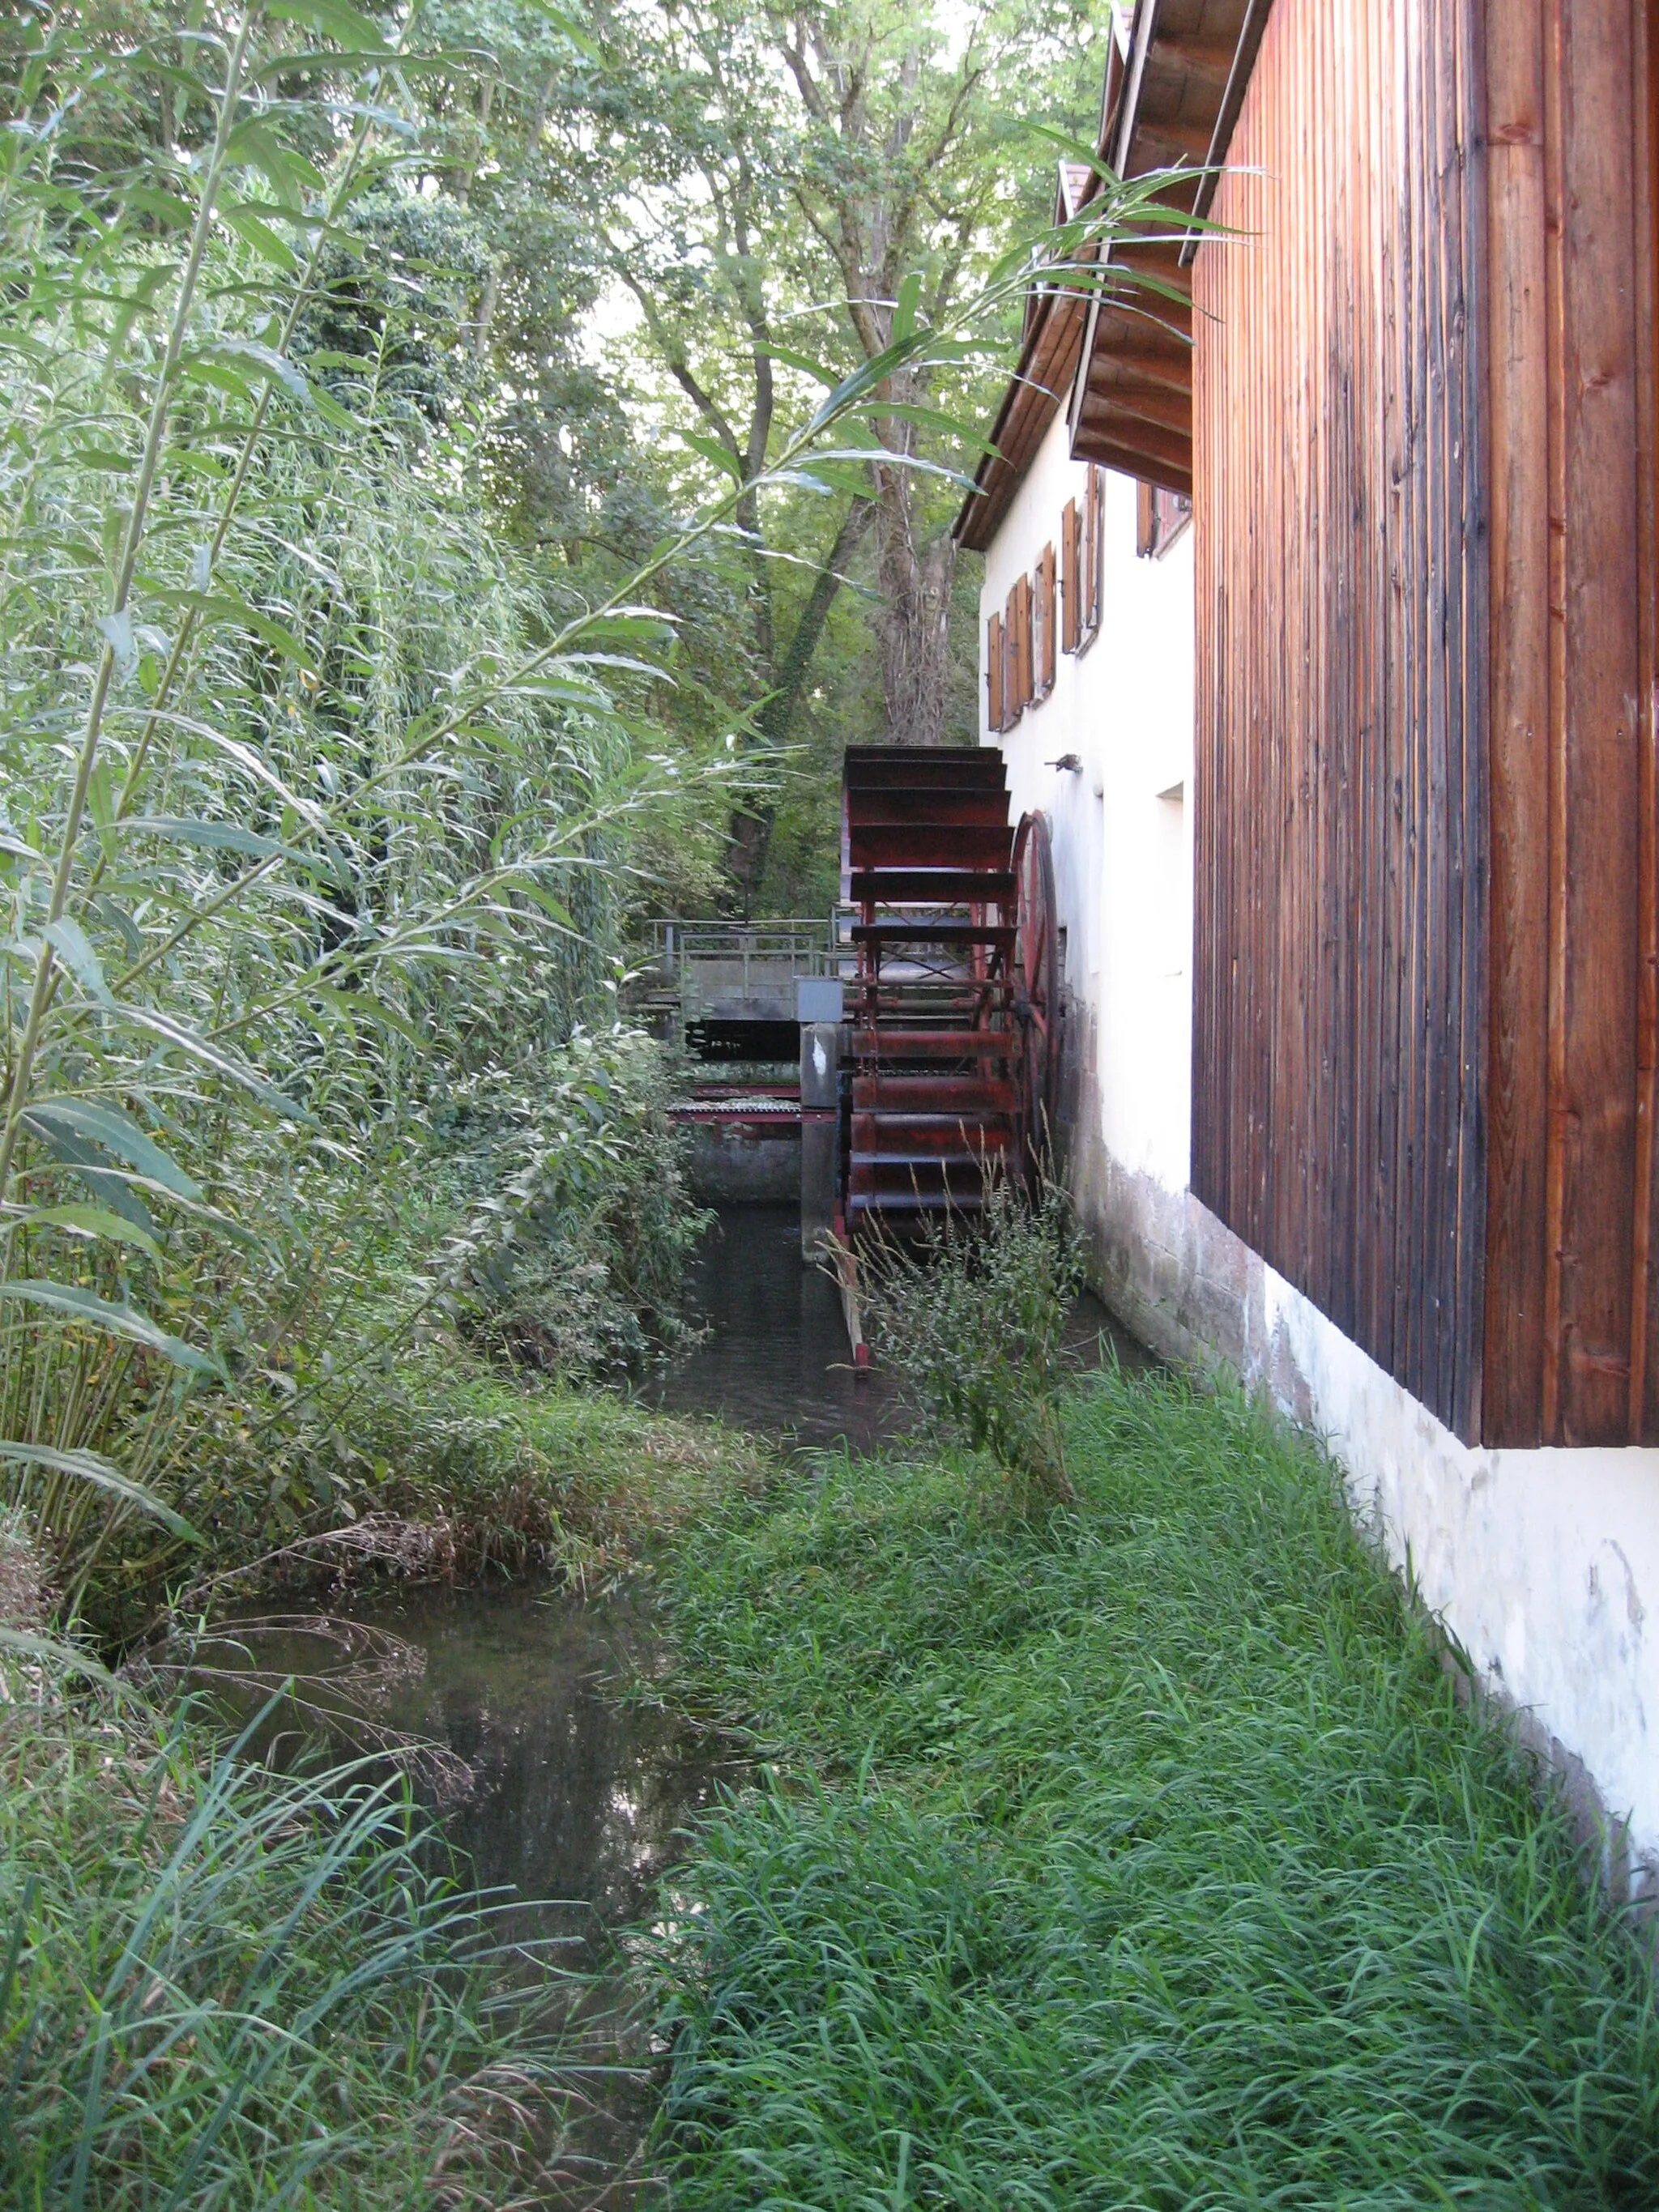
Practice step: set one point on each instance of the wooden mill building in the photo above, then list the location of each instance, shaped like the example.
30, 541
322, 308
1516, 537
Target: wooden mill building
1336, 580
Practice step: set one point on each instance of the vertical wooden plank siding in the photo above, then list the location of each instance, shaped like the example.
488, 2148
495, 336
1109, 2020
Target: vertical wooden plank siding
1518, 959
1569, 1320
1340, 512
1644, 1317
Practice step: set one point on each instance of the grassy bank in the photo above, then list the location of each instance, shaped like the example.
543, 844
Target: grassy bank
448, 1469
1141, 1858
224, 1987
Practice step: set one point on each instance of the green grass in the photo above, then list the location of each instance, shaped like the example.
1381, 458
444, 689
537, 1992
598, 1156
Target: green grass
461, 1472
1142, 1858
225, 1988
569, 1481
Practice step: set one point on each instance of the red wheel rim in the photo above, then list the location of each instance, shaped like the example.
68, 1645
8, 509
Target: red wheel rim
1036, 985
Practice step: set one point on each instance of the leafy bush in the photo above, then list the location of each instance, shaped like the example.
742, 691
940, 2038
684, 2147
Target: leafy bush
972, 1319
575, 1258
304, 800
442, 1467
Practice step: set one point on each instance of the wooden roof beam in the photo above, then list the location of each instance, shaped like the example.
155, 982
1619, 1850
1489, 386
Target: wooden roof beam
1170, 371
1196, 56
1253, 23
1167, 410
1162, 142
1167, 447
1133, 461
1143, 321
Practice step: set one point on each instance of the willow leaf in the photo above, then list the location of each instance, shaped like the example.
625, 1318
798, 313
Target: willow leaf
90, 1467
52, 1652
114, 1321
114, 1131
215, 836
94, 1221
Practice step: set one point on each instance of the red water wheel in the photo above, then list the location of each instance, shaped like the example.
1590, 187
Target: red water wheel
1036, 989
928, 861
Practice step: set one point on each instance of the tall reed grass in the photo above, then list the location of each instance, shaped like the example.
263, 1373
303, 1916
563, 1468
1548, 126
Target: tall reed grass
970, 1319
1146, 1857
224, 1987
315, 798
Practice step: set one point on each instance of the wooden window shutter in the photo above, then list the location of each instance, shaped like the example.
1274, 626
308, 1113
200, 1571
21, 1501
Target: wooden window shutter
1070, 626
994, 670
1019, 656
1093, 530
1145, 521
1043, 663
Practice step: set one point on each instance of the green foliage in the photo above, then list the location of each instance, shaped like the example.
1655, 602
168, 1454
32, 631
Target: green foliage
1150, 1859
447, 1469
971, 1320
576, 1263
309, 795
785, 179
312, 797
443, 1469
224, 1986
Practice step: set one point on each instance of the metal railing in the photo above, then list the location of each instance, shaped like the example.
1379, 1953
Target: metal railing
807, 945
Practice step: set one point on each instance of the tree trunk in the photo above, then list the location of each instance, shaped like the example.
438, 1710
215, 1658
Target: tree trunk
915, 583
750, 828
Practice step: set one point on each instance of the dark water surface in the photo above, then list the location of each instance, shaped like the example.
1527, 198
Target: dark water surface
580, 1797
579, 1794
776, 1358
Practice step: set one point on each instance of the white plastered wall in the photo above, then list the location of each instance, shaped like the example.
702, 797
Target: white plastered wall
1543, 1564
1122, 824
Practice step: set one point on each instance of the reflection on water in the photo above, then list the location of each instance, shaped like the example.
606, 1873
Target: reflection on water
578, 1808
776, 1357
578, 1796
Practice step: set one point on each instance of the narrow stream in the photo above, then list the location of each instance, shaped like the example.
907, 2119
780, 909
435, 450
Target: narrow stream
776, 1358
580, 1800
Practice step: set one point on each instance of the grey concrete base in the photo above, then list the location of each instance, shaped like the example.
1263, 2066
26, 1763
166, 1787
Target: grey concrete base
732, 1166
820, 1129
820, 1141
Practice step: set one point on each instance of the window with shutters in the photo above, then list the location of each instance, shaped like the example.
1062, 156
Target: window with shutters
1160, 518
1071, 629
995, 673
1043, 625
